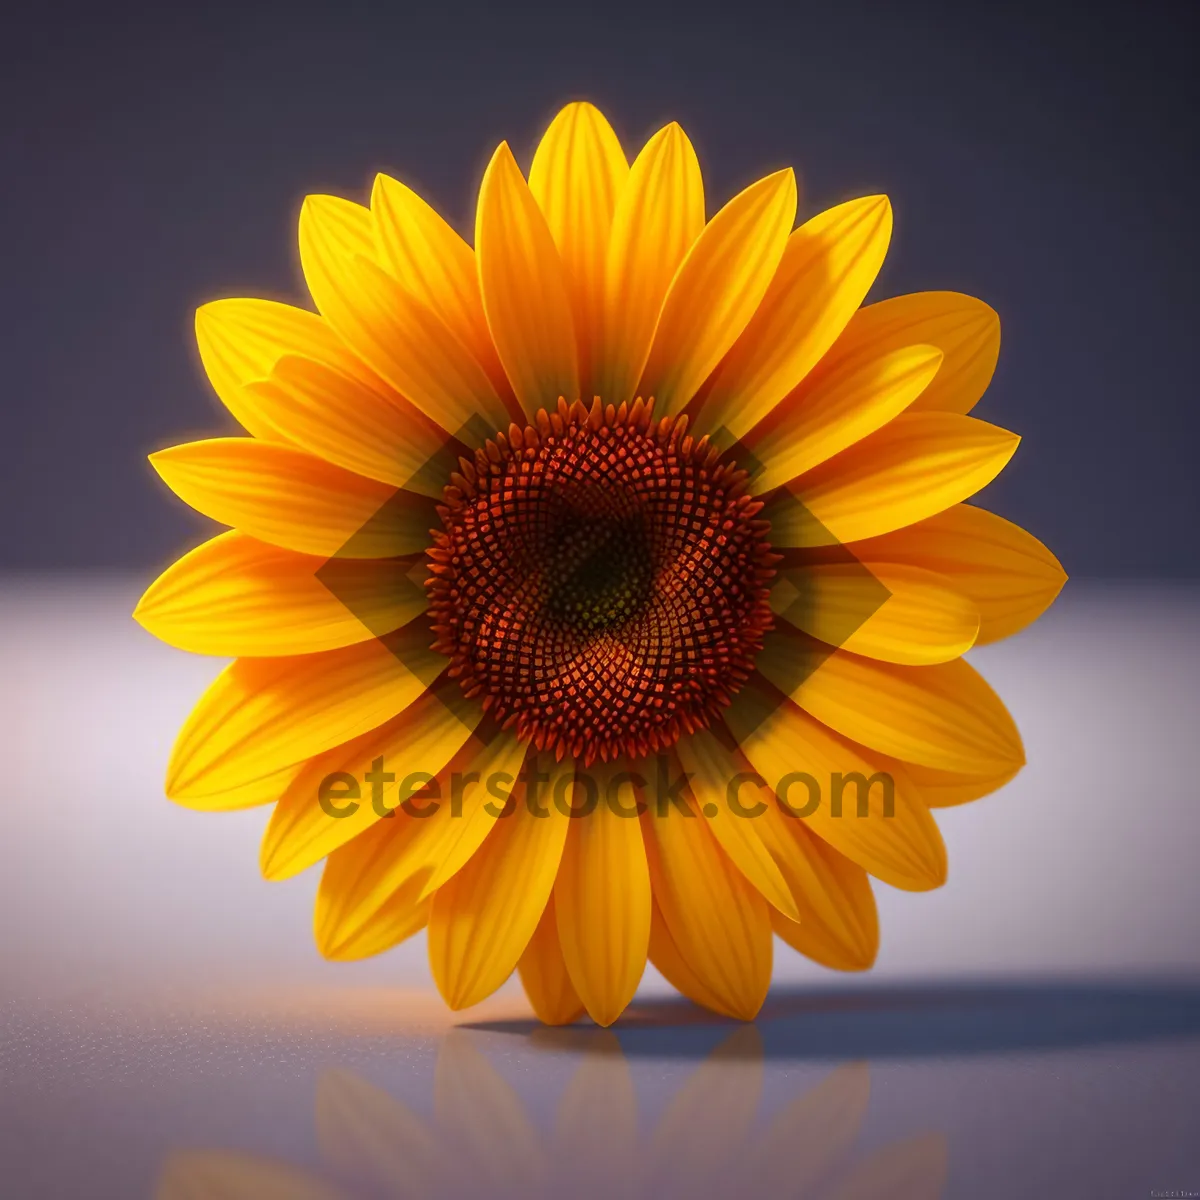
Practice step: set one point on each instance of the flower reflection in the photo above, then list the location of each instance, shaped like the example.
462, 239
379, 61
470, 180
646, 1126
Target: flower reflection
481, 1141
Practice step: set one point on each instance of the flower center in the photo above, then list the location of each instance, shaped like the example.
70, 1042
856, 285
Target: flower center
600, 581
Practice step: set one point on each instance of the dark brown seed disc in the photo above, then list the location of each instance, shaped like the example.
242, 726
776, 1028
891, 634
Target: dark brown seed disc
600, 581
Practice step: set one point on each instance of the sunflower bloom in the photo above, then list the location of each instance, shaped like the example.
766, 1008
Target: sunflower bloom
598, 594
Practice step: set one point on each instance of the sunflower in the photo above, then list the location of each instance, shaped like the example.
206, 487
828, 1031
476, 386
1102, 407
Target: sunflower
622, 503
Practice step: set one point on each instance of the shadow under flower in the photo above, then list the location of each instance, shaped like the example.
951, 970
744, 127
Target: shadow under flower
910, 1020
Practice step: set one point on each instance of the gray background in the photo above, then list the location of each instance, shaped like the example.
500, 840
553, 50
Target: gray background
1039, 1016
1044, 160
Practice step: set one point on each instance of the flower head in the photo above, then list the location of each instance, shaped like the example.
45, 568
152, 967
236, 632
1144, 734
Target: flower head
598, 592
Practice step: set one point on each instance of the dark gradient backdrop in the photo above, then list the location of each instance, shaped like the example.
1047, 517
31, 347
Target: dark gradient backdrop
1043, 159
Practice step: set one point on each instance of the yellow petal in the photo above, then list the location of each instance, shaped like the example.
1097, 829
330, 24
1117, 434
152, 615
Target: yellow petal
240, 341
602, 898
264, 790
713, 772
544, 974
398, 918
396, 334
340, 229
432, 262
946, 789
848, 942
838, 925
1008, 574
966, 331
263, 714
717, 289
943, 715
307, 825
484, 916
827, 268
806, 881
234, 596
577, 174
845, 408
659, 214
448, 820
370, 430
290, 498
875, 818
923, 619
524, 288
915, 466
497, 765
671, 965
717, 921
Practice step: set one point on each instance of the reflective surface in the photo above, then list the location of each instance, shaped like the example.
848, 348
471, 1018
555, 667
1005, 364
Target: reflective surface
989, 1091
1031, 1030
